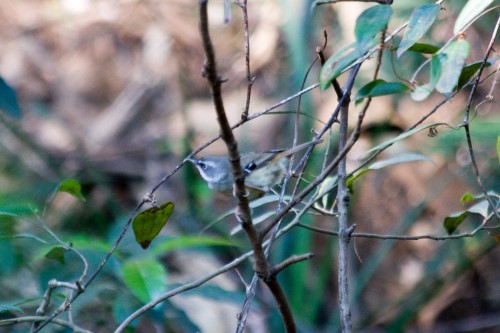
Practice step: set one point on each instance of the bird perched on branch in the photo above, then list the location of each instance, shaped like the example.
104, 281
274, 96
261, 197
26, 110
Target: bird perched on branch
261, 170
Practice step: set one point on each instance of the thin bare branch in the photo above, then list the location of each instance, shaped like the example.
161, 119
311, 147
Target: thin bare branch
467, 121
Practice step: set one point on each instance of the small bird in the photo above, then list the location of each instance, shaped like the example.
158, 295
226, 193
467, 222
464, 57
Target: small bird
261, 170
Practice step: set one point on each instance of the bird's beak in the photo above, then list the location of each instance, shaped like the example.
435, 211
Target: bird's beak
192, 160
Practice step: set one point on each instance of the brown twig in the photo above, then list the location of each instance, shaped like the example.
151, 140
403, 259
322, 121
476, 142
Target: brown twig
467, 121
333, 164
290, 261
250, 78
243, 213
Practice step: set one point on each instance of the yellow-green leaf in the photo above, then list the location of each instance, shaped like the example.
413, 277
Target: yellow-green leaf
73, 187
148, 224
146, 278
57, 253
451, 222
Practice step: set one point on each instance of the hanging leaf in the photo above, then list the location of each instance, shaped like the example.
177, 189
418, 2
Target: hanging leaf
57, 253
148, 224
8, 100
380, 88
369, 24
73, 187
469, 12
469, 71
420, 21
452, 222
145, 278
423, 48
422, 92
456, 54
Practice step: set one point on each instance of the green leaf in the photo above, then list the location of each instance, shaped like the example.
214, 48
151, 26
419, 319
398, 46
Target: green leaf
422, 92
145, 278
424, 48
469, 12
404, 158
57, 253
467, 197
335, 64
420, 21
8, 100
165, 245
380, 88
456, 54
10, 308
470, 70
452, 222
73, 187
498, 148
369, 24
148, 224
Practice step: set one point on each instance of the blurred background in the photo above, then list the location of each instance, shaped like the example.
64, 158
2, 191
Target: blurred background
111, 94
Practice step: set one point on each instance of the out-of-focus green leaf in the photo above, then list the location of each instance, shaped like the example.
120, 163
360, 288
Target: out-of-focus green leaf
10, 308
145, 278
422, 92
420, 21
165, 245
92, 243
456, 54
471, 9
380, 88
73, 187
57, 253
8, 100
452, 222
335, 65
216, 293
369, 24
148, 224
423, 48
467, 197
27, 236
498, 148
123, 305
470, 70
404, 158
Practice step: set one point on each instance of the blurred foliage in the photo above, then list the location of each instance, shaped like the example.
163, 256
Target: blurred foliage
112, 100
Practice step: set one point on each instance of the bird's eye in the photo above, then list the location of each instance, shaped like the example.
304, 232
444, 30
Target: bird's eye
202, 165
250, 167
